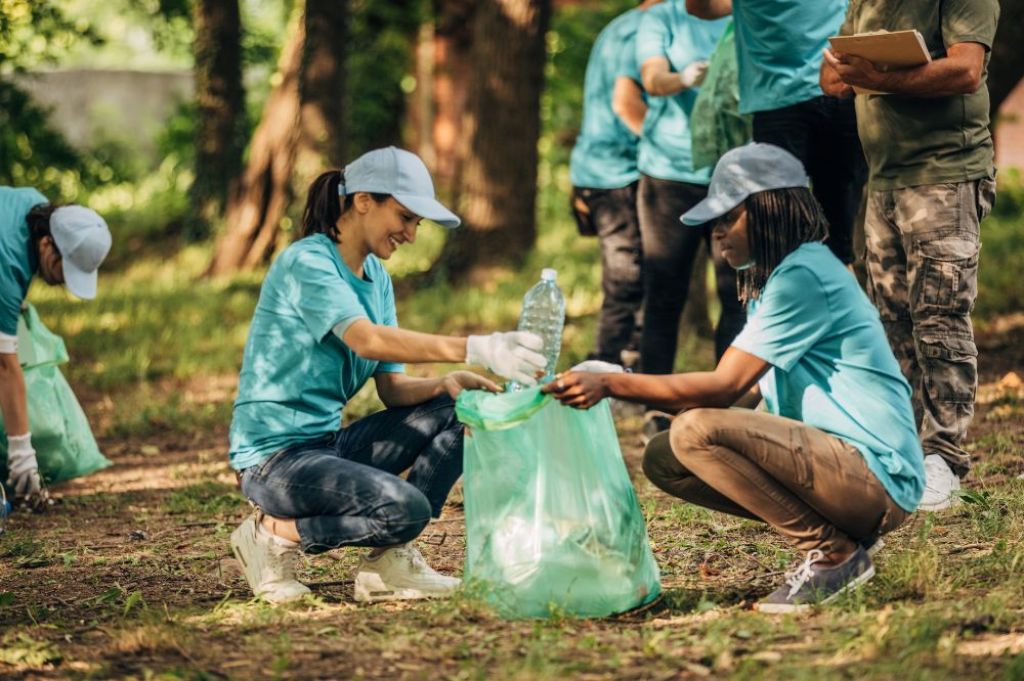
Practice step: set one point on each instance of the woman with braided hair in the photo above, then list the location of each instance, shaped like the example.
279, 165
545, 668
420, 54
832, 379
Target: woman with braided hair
834, 461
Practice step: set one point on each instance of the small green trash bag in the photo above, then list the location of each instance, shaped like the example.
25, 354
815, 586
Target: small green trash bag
65, 446
552, 521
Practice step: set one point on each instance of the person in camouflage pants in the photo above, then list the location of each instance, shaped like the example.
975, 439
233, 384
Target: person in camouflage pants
931, 182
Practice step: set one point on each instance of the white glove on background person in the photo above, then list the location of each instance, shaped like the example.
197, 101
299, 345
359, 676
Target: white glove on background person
597, 366
513, 354
693, 74
22, 469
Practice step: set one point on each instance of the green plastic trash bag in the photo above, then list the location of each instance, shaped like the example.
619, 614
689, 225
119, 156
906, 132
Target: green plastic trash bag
716, 123
64, 444
552, 521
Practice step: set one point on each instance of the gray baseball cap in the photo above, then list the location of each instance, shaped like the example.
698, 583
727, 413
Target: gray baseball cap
83, 239
401, 174
743, 171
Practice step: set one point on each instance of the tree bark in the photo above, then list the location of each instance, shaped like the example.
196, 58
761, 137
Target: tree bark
499, 179
453, 42
259, 200
220, 111
322, 81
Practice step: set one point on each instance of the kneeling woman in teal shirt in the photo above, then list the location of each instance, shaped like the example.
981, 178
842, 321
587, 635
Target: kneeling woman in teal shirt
325, 323
835, 460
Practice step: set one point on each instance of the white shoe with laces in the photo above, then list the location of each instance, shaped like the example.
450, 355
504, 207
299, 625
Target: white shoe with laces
268, 562
940, 485
400, 573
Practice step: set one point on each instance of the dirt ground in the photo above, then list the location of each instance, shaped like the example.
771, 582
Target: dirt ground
130, 576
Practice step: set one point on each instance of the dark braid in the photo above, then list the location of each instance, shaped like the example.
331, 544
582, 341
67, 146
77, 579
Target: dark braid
778, 221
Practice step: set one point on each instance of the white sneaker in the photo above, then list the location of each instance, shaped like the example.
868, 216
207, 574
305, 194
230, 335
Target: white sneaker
940, 483
400, 573
269, 566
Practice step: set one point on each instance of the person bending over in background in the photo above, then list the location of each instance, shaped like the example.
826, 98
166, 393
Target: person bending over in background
604, 178
931, 183
672, 49
324, 324
64, 245
834, 462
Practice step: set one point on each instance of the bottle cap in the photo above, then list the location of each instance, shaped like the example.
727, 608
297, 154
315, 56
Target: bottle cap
548, 274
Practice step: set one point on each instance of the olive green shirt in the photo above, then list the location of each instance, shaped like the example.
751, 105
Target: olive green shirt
911, 141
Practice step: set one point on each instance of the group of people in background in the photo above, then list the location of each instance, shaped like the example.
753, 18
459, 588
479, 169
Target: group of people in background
868, 404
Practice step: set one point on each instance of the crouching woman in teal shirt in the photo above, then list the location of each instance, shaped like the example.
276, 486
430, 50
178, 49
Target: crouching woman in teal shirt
325, 323
835, 461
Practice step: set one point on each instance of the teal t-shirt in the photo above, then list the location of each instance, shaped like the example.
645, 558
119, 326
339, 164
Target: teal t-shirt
833, 368
605, 153
666, 30
779, 45
17, 262
297, 375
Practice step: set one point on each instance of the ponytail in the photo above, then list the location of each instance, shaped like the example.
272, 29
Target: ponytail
38, 219
324, 205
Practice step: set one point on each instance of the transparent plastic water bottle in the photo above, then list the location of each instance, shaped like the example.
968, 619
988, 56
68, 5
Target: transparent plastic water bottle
544, 314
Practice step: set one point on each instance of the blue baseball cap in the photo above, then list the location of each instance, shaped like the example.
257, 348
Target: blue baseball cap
743, 171
83, 239
401, 174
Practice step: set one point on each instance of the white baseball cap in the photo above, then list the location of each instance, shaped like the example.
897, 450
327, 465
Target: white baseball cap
743, 171
401, 174
83, 239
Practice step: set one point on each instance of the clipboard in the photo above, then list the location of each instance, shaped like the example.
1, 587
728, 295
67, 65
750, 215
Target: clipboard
887, 50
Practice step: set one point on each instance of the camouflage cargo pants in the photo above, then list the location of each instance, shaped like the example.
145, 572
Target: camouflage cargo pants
922, 263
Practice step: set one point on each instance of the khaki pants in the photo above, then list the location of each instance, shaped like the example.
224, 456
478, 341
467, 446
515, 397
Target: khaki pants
812, 487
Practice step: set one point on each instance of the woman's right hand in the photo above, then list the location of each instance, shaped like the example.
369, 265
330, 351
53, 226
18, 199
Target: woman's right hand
514, 354
457, 381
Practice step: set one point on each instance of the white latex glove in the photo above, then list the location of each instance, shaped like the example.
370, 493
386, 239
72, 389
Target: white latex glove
596, 366
513, 354
22, 469
693, 74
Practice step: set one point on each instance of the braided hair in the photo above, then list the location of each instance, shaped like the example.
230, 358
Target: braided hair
778, 222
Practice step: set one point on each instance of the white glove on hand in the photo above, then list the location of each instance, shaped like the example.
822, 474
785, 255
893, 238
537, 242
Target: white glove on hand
22, 469
510, 355
596, 366
693, 74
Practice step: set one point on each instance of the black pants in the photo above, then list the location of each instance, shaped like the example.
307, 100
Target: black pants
822, 133
670, 248
614, 217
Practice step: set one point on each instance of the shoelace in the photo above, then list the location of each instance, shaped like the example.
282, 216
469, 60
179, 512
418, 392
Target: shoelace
415, 559
798, 577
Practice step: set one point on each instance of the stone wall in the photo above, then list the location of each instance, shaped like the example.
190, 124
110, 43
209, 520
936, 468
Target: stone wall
89, 105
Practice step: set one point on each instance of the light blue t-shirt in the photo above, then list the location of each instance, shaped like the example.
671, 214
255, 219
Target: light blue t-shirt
605, 153
779, 47
17, 261
833, 368
297, 375
666, 30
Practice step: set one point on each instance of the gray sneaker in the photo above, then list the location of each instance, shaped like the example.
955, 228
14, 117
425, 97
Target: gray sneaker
810, 584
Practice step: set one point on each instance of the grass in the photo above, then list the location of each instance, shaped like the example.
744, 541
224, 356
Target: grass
130, 577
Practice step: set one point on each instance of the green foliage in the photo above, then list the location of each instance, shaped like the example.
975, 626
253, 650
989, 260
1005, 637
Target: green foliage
380, 46
34, 32
1000, 286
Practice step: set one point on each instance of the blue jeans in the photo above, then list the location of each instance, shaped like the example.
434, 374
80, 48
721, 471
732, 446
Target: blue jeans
344, 490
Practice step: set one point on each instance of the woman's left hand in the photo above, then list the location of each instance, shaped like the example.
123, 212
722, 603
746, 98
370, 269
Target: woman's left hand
579, 389
457, 381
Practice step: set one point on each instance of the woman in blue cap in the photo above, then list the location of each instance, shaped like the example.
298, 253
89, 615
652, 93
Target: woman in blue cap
834, 461
325, 323
63, 245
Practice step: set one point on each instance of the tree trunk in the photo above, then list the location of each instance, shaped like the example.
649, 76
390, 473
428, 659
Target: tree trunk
259, 200
1006, 67
499, 179
322, 82
220, 111
453, 42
